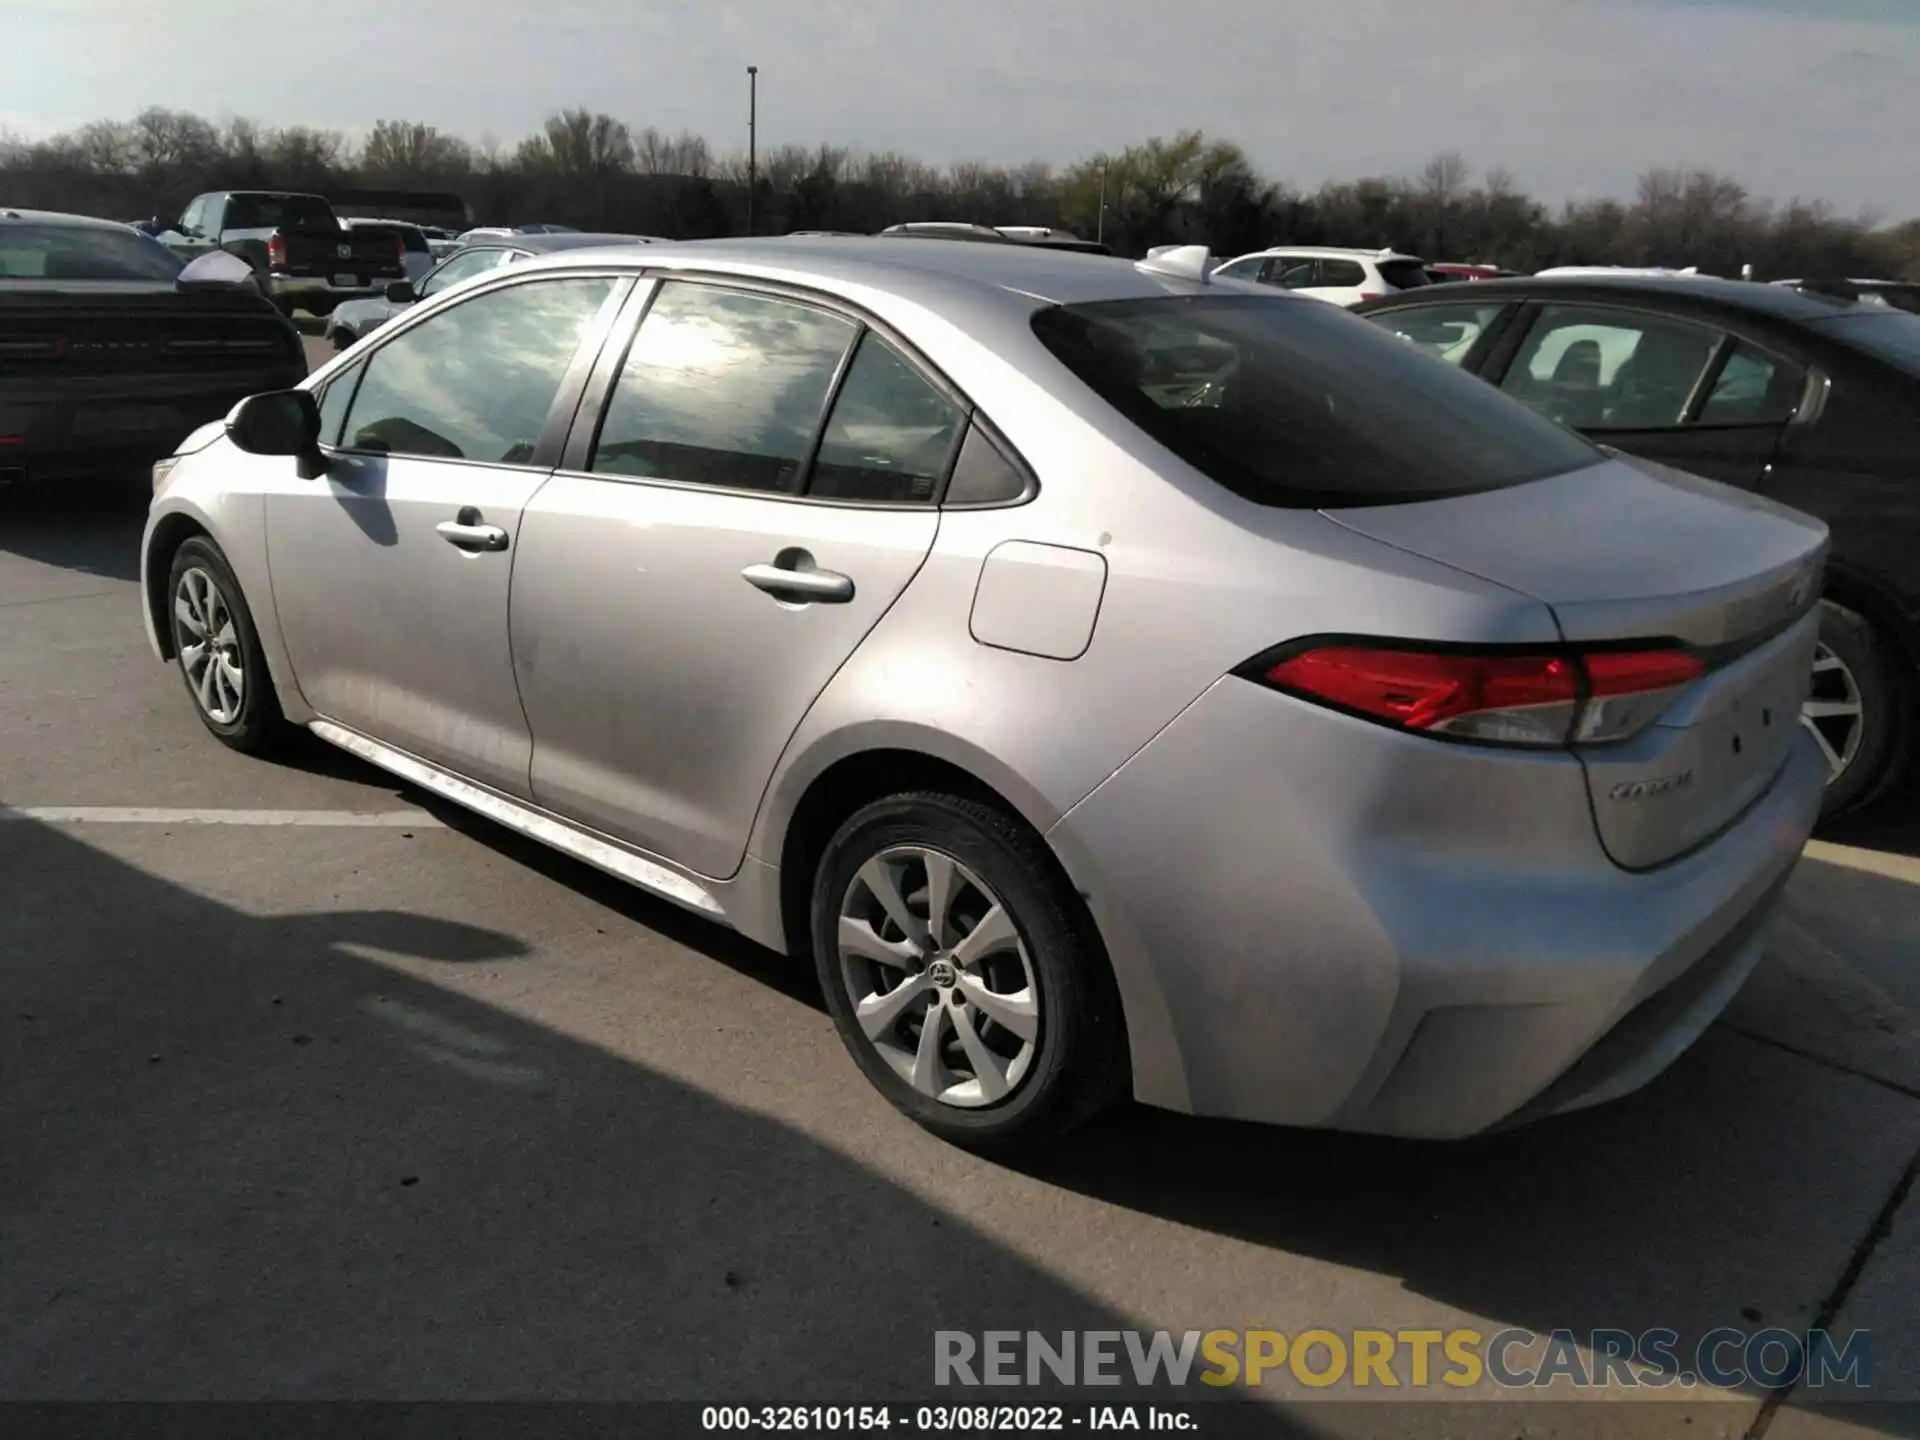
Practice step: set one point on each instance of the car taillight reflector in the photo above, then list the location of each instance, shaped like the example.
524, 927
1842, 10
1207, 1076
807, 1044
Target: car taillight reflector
1542, 698
276, 251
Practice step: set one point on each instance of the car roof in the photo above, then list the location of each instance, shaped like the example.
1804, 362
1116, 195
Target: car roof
1698, 292
1337, 252
950, 280
59, 217
546, 244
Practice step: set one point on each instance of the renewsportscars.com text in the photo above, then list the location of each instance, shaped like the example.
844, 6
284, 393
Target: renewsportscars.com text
1405, 1359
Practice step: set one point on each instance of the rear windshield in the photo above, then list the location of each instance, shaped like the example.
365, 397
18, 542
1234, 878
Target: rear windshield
1893, 335
1404, 274
1296, 403
62, 252
411, 239
278, 212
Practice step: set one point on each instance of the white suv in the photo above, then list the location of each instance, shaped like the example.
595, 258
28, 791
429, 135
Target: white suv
1346, 277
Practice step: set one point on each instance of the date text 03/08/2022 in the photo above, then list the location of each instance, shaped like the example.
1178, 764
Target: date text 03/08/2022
937, 1419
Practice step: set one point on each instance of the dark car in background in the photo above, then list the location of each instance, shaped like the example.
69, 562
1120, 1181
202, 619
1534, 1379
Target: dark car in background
107, 358
303, 256
1807, 397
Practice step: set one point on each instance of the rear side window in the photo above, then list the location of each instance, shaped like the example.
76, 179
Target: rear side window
1404, 274
1347, 274
891, 434
1302, 405
722, 388
291, 212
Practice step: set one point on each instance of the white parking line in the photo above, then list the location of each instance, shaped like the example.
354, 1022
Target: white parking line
1873, 862
150, 815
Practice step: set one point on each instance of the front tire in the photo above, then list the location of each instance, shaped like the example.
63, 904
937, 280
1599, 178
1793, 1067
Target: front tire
962, 973
221, 660
1856, 709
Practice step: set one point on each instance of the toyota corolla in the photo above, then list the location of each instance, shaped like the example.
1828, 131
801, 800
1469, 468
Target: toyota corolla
1111, 679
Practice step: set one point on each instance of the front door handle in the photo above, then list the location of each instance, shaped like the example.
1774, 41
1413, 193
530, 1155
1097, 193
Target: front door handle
468, 533
792, 577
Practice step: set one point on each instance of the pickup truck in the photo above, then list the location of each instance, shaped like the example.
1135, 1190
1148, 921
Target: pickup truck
302, 256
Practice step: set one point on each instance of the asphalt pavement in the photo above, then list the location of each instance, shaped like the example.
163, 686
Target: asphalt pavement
311, 1087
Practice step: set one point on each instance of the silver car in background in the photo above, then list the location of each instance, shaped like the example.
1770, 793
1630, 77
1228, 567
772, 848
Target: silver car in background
1110, 679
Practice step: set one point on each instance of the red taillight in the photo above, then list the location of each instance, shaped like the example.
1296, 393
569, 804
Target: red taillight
277, 251
1373, 294
1515, 699
400, 252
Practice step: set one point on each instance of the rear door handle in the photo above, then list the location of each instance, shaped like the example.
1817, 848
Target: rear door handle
468, 533
789, 582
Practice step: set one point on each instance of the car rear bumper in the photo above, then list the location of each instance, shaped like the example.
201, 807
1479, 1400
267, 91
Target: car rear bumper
101, 422
283, 286
1344, 926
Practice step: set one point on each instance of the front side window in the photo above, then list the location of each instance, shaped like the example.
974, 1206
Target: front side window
476, 381
722, 387
1598, 368
1296, 405
1446, 332
891, 434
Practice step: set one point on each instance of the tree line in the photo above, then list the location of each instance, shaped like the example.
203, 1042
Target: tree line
595, 172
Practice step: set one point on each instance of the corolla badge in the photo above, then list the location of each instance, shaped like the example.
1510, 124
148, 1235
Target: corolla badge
1646, 789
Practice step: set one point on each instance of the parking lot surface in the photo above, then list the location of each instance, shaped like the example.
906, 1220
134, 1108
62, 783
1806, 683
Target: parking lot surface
311, 1087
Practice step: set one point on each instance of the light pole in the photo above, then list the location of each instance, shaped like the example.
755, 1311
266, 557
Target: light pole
1100, 220
753, 119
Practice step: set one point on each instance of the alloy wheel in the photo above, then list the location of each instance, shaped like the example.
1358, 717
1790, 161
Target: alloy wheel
1834, 712
940, 980
208, 639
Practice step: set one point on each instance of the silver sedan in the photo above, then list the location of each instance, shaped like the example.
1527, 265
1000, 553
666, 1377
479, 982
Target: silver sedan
1111, 679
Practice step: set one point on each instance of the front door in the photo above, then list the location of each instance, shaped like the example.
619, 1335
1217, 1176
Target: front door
682, 597
390, 573
1670, 390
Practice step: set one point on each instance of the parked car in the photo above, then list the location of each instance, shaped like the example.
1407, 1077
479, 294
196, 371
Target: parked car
1106, 677
497, 232
1900, 294
108, 357
1448, 272
303, 257
441, 242
1345, 277
358, 318
1802, 397
416, 250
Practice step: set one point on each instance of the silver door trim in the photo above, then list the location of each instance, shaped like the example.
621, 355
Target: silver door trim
549, 830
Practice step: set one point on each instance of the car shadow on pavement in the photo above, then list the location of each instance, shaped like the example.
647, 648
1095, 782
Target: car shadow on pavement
91, 525
240, 1159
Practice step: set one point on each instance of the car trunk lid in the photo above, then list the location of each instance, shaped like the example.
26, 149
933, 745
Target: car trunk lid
1628, 554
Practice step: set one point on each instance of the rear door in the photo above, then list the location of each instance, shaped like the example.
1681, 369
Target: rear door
1663, 387
759, 489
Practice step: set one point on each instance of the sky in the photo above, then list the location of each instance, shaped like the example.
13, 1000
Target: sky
1814, 98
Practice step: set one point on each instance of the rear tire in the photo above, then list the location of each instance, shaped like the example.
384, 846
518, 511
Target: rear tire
1028, 1037
1858, 710
219, 650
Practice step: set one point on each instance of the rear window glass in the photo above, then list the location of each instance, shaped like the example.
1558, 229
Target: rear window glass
263, 212
1890, 334
1302, 405
62, 252
1404, 274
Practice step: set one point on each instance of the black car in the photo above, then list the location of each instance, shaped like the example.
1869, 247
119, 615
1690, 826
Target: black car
1810, 398
108, 359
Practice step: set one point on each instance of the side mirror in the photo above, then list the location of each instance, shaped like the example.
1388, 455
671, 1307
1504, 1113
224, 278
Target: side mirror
280, 422
401, 292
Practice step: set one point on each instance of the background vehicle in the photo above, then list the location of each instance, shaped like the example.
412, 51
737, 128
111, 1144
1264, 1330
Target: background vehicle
416, 250
1900, 294
982, 622
1345, 277
106, 360
495, 232
349, 322
1448, 272
296, 245
1803, 397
